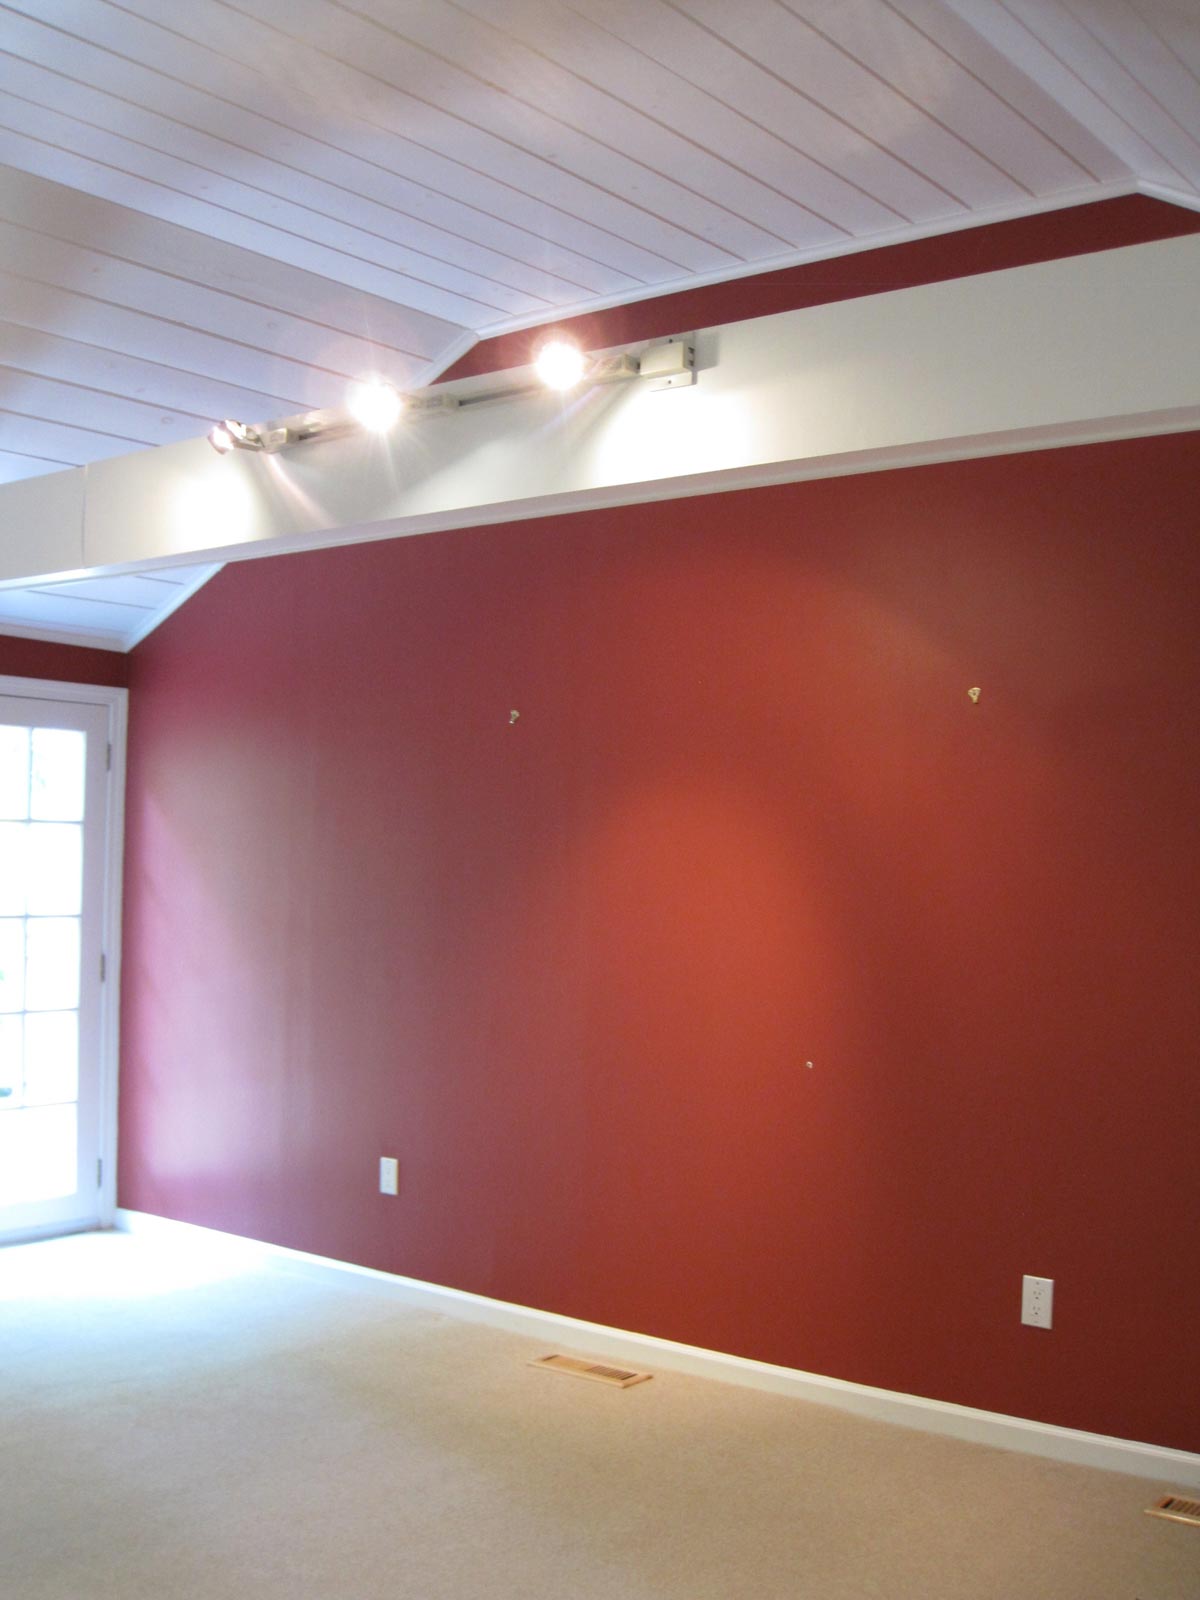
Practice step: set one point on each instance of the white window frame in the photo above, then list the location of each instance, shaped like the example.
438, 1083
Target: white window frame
117, 703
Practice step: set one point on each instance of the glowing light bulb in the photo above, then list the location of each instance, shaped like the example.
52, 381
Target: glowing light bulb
221, 439
375, 404
559, 364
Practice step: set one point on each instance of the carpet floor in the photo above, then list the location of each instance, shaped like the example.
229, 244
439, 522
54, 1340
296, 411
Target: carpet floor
183, 1430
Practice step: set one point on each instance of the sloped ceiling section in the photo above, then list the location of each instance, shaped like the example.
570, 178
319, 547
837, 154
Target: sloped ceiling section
111, 613
235, 206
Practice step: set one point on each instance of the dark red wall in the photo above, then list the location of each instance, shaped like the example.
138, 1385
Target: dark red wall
571, 970
64, 663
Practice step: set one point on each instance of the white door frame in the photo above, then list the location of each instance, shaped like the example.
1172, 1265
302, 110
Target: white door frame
117, 703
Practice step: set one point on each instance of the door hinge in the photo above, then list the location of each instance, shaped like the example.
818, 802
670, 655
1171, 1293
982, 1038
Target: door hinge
100, 1172
108, 758
103, 966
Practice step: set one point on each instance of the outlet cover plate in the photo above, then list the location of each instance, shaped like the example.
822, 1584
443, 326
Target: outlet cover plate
389, 1175
1037, 1301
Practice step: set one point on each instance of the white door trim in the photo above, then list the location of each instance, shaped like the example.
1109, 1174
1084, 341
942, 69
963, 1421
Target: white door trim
117, 703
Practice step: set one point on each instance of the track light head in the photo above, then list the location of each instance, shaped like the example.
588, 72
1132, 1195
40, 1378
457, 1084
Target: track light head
232, 435
560, 364
374, 403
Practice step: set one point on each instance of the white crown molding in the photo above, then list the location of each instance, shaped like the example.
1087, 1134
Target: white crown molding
85, 641
644, 1350
454, 352
1174, 197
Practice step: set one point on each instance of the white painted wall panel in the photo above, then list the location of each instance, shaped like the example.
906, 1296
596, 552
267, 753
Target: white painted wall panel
41, 525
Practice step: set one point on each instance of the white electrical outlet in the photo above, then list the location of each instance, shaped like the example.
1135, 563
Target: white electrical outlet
1037, 1301
389, 1175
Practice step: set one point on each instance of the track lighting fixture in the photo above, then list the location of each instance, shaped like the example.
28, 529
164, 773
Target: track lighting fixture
230, 435
375, 405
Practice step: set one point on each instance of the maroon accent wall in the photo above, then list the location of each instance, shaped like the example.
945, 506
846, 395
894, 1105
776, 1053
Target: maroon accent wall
572, 970
1073, 231
64, 663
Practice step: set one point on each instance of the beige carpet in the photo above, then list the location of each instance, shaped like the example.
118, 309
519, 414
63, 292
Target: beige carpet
170, 1431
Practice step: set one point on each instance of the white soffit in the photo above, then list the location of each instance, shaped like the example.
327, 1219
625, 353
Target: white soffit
232, 206
109, 613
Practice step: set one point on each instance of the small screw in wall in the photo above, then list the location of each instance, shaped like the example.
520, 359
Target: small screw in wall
512, 717
973, 695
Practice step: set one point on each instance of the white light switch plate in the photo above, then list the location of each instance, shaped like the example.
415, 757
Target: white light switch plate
389, 1175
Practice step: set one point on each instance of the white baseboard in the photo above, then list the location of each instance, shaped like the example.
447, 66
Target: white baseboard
1173, 1468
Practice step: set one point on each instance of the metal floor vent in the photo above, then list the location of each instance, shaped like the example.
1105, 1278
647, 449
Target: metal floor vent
1176, 1509
574, 1367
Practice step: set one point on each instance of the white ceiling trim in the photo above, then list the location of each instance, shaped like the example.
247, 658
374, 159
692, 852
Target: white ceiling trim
1175, 197
80, 638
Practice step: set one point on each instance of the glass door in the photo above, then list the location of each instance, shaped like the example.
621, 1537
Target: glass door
53, 797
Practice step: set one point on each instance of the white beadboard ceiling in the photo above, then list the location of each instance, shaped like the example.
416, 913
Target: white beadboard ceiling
110, 613
233, 206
